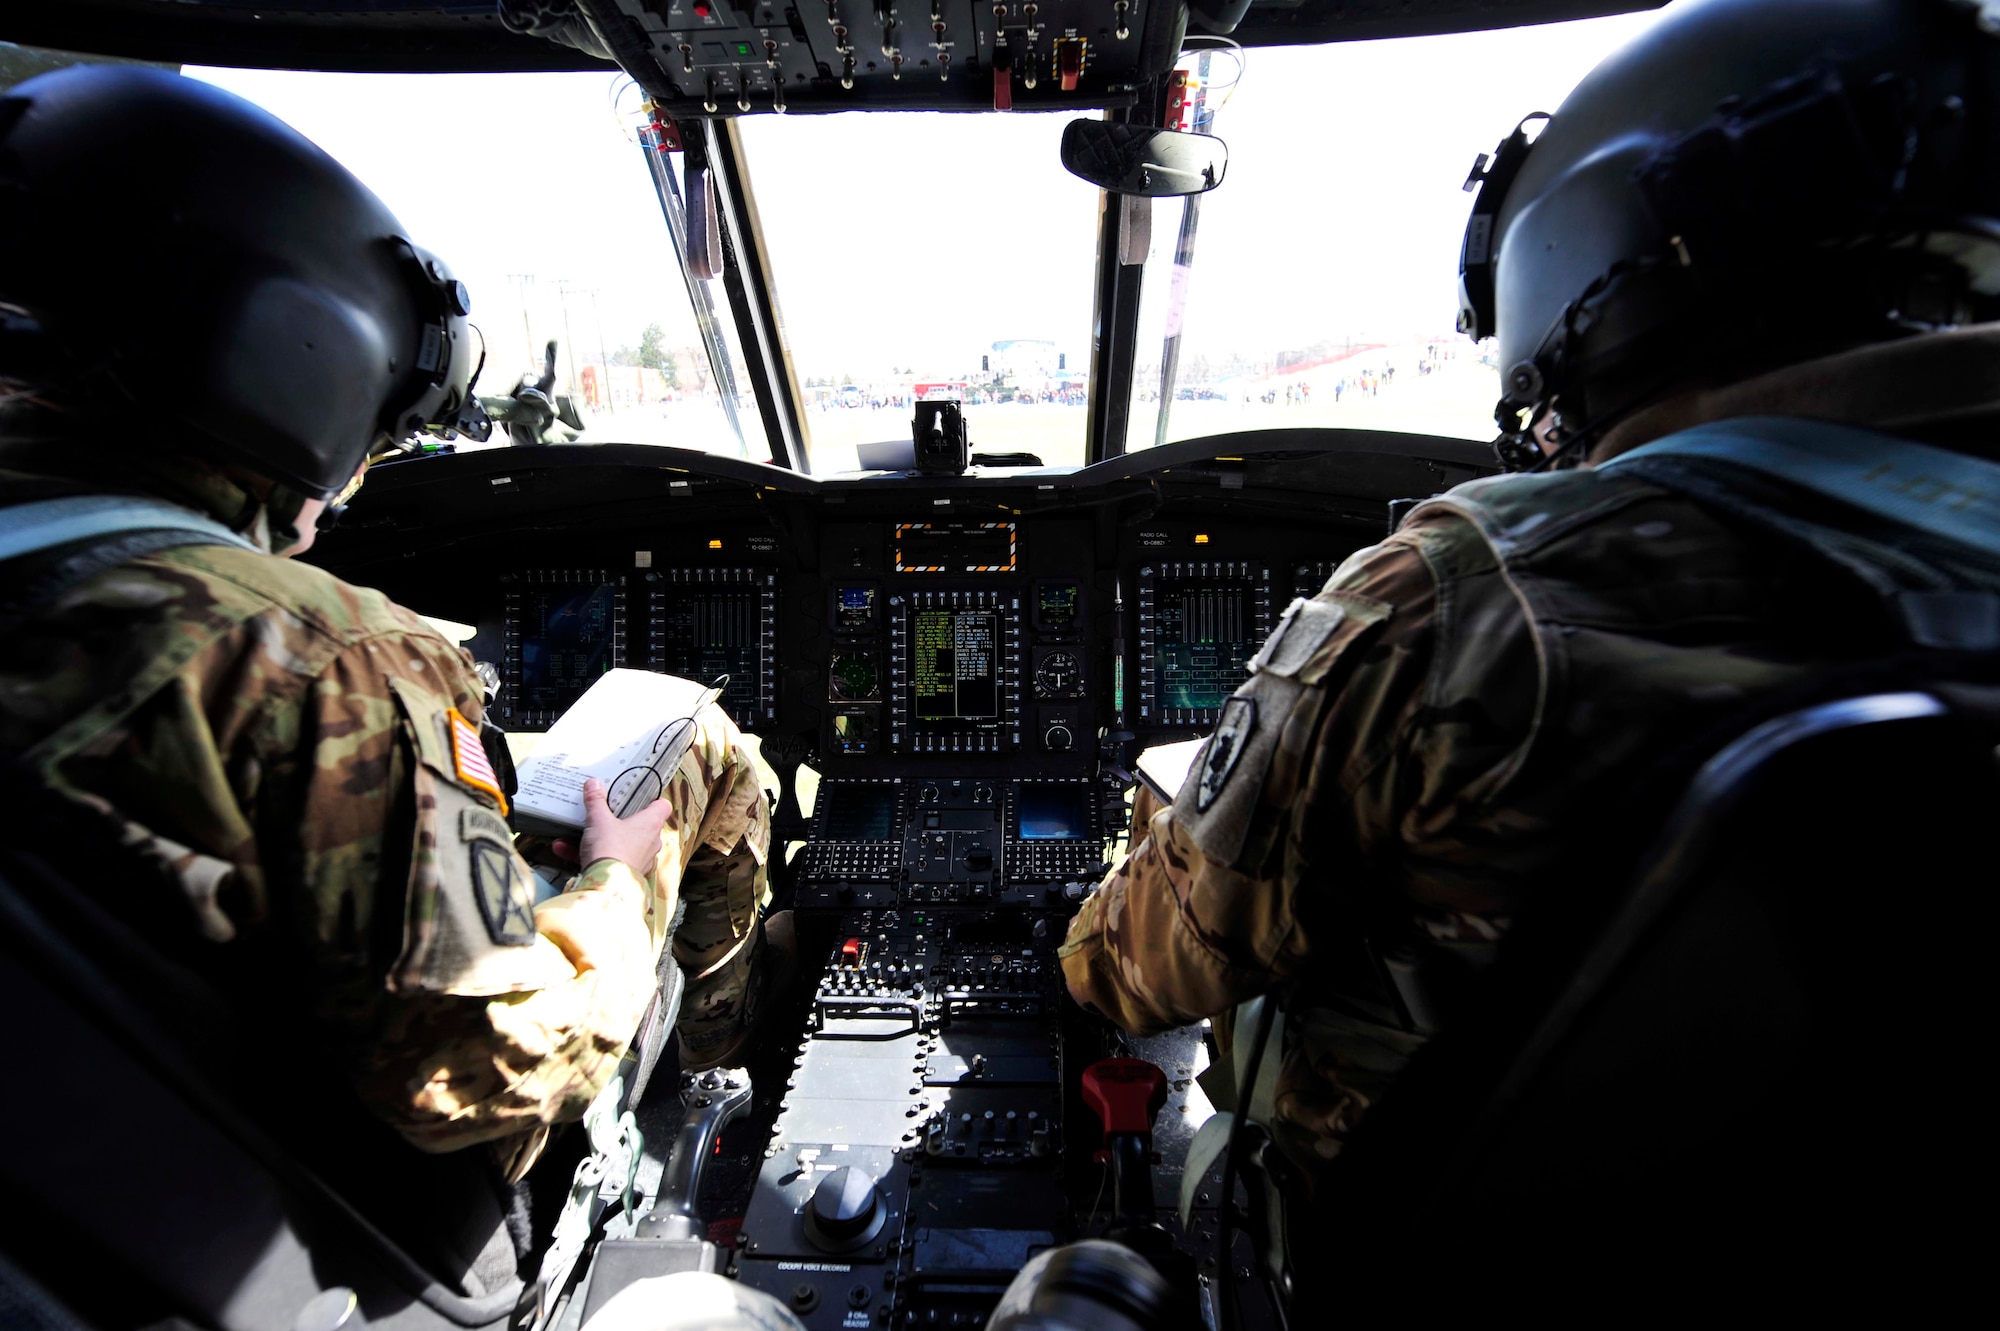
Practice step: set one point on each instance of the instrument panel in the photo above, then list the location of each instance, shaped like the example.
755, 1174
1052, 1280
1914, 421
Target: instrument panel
952, 679
968, 665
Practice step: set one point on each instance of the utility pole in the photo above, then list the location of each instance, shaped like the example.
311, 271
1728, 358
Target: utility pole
521, 282
603, 358
563, 288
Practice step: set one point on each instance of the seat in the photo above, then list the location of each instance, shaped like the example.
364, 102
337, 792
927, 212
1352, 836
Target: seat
1756, 1084
138, 1185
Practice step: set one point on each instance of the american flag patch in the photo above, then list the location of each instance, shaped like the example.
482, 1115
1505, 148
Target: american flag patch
469, 756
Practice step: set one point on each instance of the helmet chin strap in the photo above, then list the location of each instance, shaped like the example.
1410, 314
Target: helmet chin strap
336, 507
282, 506
1520, 451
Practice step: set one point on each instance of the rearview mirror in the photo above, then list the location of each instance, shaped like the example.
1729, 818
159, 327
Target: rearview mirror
1139, 159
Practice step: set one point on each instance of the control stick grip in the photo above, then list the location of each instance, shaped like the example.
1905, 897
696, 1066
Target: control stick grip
711, 1099
1127, 1094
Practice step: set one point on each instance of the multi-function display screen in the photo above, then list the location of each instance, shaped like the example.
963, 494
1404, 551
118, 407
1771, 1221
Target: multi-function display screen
854, 609
857, 813
707, 632
955, 669
1053, 813
1056, 606
1206, 637
565, 635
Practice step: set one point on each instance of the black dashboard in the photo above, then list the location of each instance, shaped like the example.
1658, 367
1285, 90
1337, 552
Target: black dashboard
970, 666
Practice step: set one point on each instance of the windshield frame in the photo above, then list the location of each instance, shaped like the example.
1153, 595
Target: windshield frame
686, 163
747, 280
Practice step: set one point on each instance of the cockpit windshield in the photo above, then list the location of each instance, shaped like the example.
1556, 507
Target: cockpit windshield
544, 208
915, 255
919, 254
1315, 286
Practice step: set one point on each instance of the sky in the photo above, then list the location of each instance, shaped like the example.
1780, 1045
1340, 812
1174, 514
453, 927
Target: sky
914, 241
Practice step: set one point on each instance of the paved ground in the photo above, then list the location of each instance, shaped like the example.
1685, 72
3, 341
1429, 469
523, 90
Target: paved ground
1456, 400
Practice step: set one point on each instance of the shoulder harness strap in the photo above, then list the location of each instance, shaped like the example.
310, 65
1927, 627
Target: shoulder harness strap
117, 528
1934, 549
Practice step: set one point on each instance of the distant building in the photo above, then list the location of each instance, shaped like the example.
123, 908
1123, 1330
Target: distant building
1026, 358
622, 386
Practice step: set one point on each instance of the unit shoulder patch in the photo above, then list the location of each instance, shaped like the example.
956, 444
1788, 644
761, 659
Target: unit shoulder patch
477, 824
505, 902
1225, 748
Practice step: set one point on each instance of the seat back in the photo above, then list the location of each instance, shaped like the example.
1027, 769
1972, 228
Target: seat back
1756, 1078
136, 1183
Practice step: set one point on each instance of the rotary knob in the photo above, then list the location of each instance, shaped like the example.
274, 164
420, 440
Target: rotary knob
1057, 739
845, 1211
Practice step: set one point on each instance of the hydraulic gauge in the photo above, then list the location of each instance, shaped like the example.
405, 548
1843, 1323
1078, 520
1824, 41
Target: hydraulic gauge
1057, 675
854, 677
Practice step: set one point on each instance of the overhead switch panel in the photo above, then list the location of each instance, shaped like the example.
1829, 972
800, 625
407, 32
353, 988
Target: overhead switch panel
737, 57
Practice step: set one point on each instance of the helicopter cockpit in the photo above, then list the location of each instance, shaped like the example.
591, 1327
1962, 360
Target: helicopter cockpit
965, 390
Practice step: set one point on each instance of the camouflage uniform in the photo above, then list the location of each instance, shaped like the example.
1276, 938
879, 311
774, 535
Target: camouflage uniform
282, 743
1430, 733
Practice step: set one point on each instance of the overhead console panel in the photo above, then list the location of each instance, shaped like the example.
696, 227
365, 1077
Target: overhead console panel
524, 35
739, 56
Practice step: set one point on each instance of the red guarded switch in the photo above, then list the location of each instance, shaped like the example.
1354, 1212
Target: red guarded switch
1003, 78
1069, 62
1126, 1093
850, 952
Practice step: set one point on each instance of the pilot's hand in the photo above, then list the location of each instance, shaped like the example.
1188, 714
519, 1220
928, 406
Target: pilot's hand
606, 836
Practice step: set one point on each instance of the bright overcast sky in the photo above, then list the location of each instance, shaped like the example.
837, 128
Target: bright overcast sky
920, 239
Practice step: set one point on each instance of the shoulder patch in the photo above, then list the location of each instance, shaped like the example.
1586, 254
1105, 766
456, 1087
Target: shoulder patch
505, 901
1225, 748
468, 757
1299, 635
476, 824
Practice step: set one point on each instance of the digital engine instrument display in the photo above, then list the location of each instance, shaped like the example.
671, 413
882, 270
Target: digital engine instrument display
563, 630
710, 622
1199, 625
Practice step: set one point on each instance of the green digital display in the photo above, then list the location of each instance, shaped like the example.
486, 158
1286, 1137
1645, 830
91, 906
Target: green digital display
1206, 640
955, 667
1056, 604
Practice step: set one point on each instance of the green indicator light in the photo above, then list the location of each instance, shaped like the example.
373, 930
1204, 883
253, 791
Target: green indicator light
743, 48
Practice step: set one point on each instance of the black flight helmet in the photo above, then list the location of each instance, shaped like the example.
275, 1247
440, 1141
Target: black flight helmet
1749, 184
181, 263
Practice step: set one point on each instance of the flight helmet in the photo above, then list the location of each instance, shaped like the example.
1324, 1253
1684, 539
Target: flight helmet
1750, 184
179, 265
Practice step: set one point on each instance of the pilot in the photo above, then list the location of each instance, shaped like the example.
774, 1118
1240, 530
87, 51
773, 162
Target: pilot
210, 327
1743, 286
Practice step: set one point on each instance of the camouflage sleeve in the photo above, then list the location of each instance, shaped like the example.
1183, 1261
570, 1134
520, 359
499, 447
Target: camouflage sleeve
1208, 909
496, 1016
